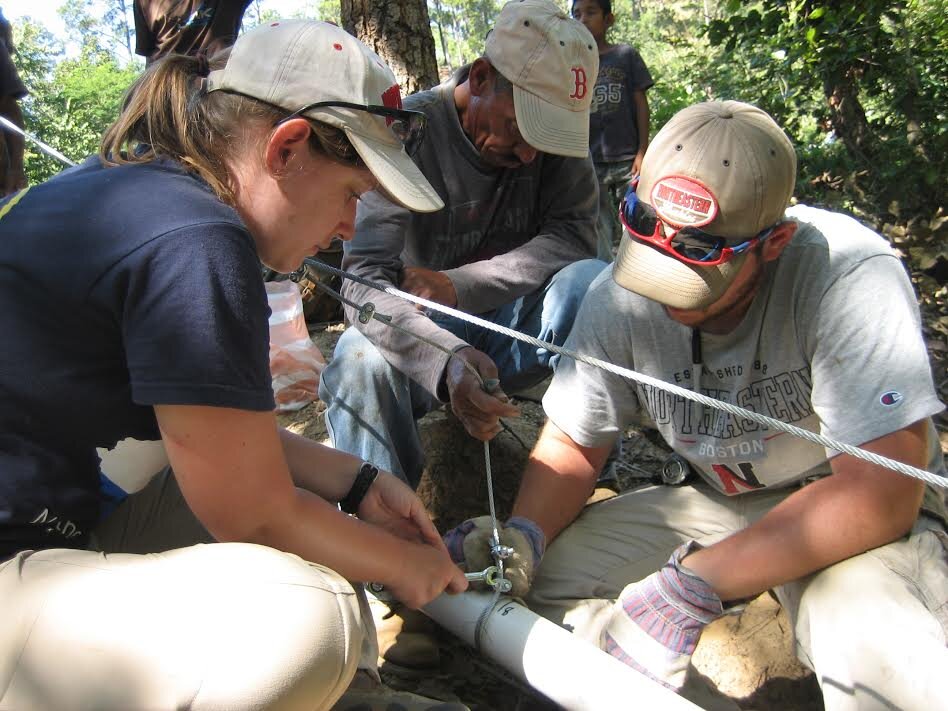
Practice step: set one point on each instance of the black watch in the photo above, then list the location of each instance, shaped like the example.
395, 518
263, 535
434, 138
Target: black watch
360, 487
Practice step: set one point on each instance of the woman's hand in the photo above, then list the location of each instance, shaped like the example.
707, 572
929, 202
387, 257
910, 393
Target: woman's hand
425, 569
424, 572
391, 504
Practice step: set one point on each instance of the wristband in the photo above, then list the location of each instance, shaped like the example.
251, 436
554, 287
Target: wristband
360, 487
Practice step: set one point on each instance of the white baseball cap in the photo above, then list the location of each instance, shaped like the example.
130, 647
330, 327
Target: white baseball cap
293, 63
552, 62
724, 167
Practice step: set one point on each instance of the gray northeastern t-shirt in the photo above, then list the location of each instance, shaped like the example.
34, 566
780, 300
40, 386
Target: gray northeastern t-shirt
502, 234
613, 134
832, 343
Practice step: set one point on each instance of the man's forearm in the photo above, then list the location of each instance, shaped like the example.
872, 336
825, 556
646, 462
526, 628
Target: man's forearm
15, 140
14, 179
402, 348
860, 507
557, 481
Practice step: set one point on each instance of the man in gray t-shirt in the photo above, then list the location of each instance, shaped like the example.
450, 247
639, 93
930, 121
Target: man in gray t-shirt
801, 315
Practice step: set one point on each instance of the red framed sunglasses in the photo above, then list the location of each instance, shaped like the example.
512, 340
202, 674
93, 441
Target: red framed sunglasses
686, 244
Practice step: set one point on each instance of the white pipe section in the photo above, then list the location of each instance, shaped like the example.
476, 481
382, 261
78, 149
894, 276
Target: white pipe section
566, 669
132, 463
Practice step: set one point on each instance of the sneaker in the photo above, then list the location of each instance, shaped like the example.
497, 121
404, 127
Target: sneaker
406, 637
365, 694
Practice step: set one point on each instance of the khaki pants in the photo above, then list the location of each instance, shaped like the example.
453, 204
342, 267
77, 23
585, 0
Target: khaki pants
144, 622
872, 627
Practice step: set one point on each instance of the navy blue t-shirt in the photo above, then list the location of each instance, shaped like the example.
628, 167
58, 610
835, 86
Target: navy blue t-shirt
120, 288
613, 133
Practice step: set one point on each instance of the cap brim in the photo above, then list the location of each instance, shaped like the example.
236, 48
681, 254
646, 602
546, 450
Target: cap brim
398, 175
550, 128
662, 278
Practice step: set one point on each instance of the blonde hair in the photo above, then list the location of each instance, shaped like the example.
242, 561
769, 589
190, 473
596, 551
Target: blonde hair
168, 114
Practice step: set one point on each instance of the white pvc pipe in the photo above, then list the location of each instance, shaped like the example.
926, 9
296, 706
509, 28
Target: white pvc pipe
132, 463
566, 669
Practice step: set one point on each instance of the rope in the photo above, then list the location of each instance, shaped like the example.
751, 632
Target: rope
827, 442
495, 548
47, 149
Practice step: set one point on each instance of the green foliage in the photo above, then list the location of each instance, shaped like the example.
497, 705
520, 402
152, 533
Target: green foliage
797, 59
71, 101
101, 26
459, 28
859, 87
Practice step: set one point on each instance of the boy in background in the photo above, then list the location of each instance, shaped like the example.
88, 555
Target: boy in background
618, 119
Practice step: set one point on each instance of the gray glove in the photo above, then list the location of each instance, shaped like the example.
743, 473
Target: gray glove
469, 545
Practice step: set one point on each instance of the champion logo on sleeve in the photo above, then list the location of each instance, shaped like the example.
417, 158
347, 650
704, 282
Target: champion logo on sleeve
891, 398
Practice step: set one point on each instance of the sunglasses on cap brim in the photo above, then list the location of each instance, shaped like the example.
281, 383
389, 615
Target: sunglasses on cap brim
686, 244
408, 126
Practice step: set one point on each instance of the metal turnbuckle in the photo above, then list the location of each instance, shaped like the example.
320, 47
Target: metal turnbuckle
490, 577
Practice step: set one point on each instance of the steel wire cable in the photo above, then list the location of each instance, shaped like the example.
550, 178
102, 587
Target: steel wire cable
827, 442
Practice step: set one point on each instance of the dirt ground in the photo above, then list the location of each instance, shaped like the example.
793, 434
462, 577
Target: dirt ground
748, 658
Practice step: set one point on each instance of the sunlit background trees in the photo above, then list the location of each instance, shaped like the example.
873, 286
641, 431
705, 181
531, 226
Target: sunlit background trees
862, 88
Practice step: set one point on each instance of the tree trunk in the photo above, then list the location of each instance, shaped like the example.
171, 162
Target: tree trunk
439, 20
847, 115
840, 72
910, 91
400, 33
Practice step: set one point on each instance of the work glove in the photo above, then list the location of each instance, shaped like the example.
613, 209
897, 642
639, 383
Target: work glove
469, 546
655, 624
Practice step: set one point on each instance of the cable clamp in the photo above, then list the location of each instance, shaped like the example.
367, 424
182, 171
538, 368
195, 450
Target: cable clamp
366, 311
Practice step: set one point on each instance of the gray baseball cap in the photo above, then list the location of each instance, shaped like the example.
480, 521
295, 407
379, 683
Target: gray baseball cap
293, 63
552, 62
725, 167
